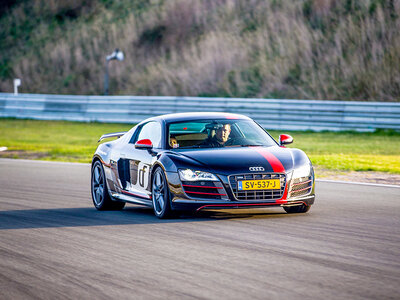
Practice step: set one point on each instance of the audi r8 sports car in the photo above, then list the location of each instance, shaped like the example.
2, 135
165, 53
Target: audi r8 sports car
194, 161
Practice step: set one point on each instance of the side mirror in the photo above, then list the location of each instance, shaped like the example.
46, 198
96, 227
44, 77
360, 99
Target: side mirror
144, 144
285, 139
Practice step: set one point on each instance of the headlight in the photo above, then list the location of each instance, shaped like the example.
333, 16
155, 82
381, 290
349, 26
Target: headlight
300, 182
303, 171
190, 175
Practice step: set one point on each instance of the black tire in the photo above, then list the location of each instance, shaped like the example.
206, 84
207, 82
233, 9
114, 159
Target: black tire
297, 209
100, 196
160, 195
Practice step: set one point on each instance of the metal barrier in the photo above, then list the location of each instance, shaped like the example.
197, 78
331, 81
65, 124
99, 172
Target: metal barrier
270, 113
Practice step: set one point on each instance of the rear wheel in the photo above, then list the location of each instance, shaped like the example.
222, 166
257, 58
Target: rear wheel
160, 195
100, 196
297, 209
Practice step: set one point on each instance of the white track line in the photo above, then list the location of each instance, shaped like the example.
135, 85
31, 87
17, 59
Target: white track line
359, 183
86, 164
42, 161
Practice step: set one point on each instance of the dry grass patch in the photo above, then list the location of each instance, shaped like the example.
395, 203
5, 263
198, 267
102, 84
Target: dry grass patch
311, 49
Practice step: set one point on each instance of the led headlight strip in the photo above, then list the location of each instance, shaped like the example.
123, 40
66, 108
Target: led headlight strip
192, 175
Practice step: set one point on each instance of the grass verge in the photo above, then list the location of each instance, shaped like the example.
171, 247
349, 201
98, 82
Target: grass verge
350, 151
53, 140
76, 142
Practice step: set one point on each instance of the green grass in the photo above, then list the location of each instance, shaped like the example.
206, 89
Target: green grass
54, 140
352, 151
73, 141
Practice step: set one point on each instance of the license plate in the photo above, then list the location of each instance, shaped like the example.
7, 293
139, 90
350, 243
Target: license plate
265, 184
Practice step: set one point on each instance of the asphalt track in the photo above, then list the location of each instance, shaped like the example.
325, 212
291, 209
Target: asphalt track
55, 245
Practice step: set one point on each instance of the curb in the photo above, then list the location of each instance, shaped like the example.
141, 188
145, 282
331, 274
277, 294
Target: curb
358, 183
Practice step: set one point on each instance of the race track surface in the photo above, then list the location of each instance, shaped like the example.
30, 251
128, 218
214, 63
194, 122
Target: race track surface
54, 244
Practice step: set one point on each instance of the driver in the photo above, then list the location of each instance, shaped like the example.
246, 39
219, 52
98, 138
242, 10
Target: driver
173, 142
220, 138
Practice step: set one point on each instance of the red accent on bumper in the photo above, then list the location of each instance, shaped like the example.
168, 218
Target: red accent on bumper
105, 164
283, 200
280, 201
237, 205
302, 182
213, 194
298, 202
205, 187
307, 188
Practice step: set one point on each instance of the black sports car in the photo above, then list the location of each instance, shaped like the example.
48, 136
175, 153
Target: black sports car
193, 161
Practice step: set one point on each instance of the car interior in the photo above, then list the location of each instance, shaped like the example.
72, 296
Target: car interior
189, 135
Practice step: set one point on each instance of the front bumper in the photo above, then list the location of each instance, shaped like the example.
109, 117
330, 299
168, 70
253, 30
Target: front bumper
185, 204
182, 201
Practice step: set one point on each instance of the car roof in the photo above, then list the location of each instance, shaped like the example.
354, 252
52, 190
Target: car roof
193, 116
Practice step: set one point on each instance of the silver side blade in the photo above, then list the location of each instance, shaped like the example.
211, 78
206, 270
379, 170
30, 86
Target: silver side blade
110, 135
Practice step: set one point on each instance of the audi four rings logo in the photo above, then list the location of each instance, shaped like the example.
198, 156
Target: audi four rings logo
256, 169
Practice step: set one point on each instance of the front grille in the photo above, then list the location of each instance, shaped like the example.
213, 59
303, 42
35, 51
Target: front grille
301, 186
257, 195
203, 189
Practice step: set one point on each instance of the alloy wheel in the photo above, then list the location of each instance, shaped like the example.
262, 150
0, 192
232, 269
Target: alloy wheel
98, 185
158, 194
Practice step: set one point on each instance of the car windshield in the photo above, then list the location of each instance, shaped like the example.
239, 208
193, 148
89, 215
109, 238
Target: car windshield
217, 133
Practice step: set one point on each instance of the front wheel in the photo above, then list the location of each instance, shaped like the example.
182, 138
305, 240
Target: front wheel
100, 196
297, 209
160, 195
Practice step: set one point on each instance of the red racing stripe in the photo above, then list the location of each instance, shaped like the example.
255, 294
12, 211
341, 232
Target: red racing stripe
231, 116
273, 161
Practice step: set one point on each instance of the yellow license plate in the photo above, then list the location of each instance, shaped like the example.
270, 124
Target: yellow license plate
265, 184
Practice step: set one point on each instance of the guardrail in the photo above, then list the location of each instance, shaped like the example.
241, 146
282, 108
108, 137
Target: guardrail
270, 113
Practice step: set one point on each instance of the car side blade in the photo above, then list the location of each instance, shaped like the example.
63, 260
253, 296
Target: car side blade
111, 135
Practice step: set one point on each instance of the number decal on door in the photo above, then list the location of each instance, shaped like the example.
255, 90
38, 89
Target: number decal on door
143, 175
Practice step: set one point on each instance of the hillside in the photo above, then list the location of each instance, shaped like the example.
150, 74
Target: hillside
308, 49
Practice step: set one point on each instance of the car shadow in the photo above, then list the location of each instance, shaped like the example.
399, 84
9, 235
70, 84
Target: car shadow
131, 215
244, 213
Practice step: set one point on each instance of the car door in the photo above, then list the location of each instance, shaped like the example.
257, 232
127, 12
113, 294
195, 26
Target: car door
134, 165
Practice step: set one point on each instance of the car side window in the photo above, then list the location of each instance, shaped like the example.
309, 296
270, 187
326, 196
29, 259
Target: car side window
128, 136
151, 131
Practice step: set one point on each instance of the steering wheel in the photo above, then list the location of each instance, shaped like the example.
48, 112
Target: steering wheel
237, 141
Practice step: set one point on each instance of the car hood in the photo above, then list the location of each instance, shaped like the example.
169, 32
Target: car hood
238, 160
